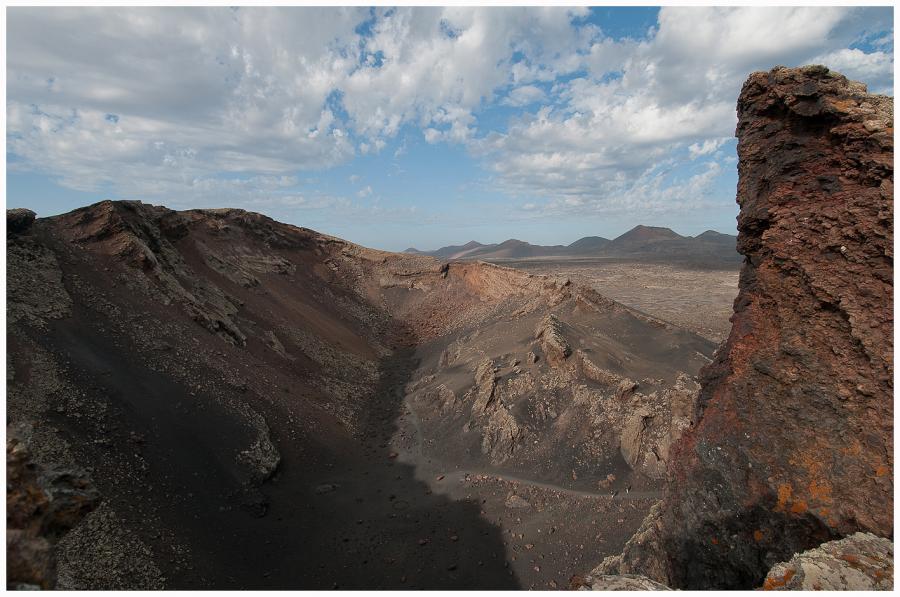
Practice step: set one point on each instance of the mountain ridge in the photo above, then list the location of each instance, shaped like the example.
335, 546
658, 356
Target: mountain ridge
642, 243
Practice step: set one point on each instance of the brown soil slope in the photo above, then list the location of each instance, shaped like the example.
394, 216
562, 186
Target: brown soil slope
258, 404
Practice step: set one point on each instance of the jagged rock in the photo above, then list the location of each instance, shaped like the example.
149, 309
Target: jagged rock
262, 457
553, 341
502, 435
444, 397
35, 293
632, 437
792, 445
642, 553
860, 562
598, 374
19, 219
276, 345
485, 385
618, 582
516, 501
625, 389
41, 506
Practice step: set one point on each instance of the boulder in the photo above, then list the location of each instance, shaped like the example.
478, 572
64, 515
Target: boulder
860, 562
19, 220
42, 504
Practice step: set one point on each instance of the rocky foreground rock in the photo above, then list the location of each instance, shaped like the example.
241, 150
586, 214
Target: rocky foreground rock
792, 445
861, 562
42, 505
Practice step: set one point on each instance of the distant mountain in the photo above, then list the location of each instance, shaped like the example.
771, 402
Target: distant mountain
643, 239
651, 243
457, 251
711, 236
646, 234
641, 243
588, 245
517, 249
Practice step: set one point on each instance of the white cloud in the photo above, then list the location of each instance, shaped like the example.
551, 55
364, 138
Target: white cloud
525, 95
164, 102
645, 102
707, 147
876, 68
364, 192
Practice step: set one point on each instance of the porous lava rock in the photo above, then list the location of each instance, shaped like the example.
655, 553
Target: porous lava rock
861, 562
793, 441
42, 504
623, 582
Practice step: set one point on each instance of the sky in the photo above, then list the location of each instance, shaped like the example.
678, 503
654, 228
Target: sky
409, 127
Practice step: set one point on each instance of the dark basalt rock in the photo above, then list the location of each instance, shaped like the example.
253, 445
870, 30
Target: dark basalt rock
19, 220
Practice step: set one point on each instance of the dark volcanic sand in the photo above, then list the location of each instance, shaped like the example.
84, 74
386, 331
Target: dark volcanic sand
388, 522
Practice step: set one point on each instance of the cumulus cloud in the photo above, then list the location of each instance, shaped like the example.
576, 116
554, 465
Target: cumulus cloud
165, 102
876, 68
695, 150
525, 95
645, 101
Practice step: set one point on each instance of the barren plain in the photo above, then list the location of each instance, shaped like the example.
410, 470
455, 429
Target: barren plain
699, 300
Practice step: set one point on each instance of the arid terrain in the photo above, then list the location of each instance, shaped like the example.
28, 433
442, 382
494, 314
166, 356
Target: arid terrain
231, 384
699, 300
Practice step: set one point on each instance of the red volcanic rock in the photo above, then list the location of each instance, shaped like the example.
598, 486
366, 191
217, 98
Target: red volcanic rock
793, 442
41, 505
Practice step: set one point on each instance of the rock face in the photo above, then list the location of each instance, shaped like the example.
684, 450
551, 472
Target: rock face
624, 582
41, 506
641, 555
793, 441
861, 562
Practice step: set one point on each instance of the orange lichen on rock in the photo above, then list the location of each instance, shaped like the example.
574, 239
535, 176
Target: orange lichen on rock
777, 582
794, 423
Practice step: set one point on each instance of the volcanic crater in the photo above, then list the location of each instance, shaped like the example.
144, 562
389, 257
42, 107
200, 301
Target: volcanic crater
263, 406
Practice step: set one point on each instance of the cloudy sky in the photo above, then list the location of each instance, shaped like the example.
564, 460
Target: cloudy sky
409, 126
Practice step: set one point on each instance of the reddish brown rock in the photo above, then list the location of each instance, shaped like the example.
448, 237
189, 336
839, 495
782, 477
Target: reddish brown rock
41, 506
793, 445
861, 562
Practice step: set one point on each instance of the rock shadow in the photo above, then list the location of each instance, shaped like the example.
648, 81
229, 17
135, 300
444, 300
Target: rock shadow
338, 513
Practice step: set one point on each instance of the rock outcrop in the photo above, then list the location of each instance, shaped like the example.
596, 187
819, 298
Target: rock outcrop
624, 582
42, 505
19, 219
861, 562
553, 340
792, 445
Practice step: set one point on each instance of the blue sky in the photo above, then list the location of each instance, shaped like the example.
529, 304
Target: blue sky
409, 127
